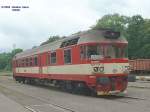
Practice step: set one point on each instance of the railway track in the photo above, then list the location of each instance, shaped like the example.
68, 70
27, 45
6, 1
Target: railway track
15, 95
49, 105
120, 99
123, 98
34, 108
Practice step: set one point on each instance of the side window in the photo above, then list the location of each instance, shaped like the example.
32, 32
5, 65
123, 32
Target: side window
53, 57
26, 61
82, 52
16, 64
35, 61
67, 56
22, 62
31, 61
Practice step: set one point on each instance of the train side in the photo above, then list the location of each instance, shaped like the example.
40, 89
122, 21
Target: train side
88, 60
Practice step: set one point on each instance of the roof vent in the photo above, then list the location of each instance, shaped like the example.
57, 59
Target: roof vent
66, 43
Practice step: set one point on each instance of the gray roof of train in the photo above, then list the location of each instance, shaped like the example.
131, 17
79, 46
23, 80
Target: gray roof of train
85, 37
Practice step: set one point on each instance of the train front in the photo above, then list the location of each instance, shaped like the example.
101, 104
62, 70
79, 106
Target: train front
109, 63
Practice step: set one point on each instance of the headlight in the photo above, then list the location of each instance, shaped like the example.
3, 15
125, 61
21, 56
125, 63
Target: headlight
98, 69
127, 67
115, 70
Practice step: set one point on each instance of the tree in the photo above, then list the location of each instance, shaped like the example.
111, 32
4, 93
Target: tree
112, 21
3, 60
144, 52
15, 51
134, 35
6, 59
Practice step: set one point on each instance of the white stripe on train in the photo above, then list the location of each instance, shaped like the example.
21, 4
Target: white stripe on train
109, 68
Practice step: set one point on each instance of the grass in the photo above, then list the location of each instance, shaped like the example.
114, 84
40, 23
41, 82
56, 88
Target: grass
5, 73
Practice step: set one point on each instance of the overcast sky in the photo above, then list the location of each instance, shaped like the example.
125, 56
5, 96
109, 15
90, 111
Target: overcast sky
31, 26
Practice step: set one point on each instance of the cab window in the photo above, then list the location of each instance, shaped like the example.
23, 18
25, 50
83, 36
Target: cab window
93, 50
89, 50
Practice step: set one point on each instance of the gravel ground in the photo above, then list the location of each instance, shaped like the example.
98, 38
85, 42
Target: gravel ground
8, 105
140, 84
48, 99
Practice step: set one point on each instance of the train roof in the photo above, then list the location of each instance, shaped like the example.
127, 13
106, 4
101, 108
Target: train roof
89, 36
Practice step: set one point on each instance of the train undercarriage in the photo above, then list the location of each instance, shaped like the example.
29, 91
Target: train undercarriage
104, 85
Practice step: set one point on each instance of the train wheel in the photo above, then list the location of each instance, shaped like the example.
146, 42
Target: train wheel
23, 80
79, 88
19, 80
69, 86
62, 85
93, 93
66, 86
28, 81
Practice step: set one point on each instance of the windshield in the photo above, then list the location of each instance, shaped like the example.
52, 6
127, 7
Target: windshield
103, 51
115, 51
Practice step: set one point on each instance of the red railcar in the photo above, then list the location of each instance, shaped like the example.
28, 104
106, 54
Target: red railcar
94, 59
140, 65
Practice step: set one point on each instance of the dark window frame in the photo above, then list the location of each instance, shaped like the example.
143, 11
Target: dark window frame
26, 61
93, 50
53, 60
35, 62
19, 63
30, 61
86, 50
70, 60
23, 62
